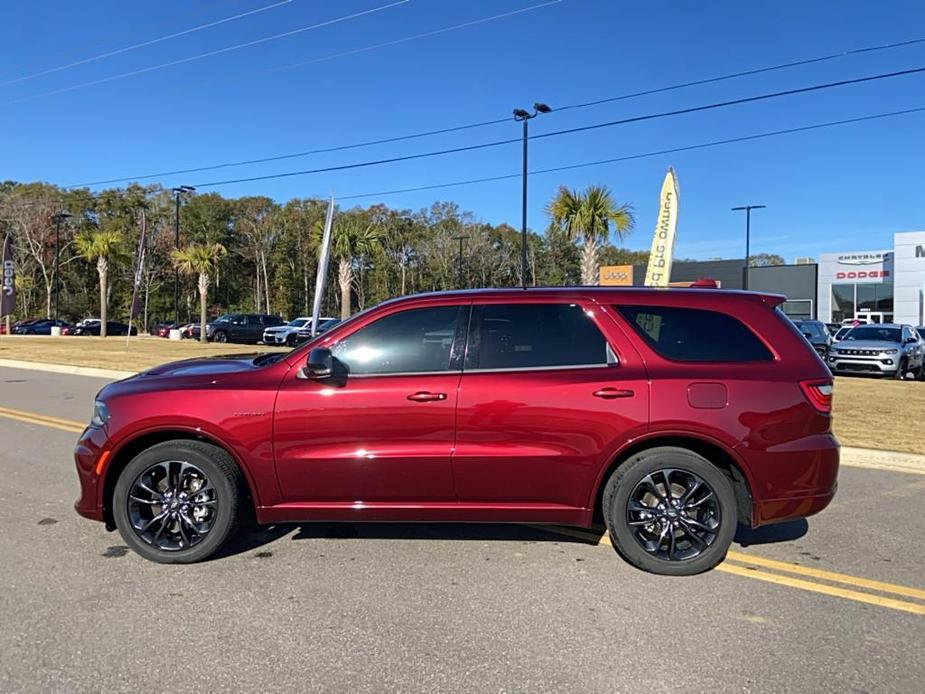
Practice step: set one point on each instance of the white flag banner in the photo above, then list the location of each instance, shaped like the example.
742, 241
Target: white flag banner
658, 272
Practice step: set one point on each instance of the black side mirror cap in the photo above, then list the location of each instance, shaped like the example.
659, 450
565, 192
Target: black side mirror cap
319, 364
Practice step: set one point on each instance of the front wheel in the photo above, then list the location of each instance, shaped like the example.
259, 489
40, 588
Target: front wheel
178, 501
220, 336
670, 511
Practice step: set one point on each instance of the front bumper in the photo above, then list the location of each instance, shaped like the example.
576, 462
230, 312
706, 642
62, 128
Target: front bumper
275, 338
878, 364
92, 444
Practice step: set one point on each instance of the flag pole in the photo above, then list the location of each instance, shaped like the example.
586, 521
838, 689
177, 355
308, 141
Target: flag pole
322, 267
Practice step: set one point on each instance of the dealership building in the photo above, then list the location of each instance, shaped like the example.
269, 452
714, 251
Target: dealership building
884, 285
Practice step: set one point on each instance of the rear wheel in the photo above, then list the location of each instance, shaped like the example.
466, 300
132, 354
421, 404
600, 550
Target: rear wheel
178, 501
670, 511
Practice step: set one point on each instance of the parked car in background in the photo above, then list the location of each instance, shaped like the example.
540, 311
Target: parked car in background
286, 334
833, 328
817, 334
324, 324
113, 328
17, 324
883, 349
674, 415
239, 327
162, 329
38, 327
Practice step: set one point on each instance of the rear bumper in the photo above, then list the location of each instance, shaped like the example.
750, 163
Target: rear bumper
90, 446
794, 480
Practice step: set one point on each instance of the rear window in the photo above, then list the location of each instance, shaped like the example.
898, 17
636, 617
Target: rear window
691, 334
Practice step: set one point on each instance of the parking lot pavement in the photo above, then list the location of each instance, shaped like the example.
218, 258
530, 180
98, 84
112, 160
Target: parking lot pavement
442, 607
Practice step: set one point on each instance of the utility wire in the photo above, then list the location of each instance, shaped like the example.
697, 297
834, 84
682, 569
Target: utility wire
645, 155
568, 131
218, 51
151, 42
481, 124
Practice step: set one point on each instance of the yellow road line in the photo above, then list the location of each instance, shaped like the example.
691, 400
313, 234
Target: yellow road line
867, 598
827, 575
757, 574
42, 420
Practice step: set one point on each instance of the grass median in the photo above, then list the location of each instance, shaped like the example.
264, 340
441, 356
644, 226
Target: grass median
869, 413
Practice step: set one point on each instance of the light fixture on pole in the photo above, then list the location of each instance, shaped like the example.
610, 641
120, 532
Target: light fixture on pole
524, 117
748, 233
178, 191
58, 218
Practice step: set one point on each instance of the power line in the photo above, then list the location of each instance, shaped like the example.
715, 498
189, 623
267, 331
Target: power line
496, 121
645, 155
150, 42
208, 54
569, 131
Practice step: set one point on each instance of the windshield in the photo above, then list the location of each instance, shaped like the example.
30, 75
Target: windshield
840, 335
814, 329
223, 319
870, 332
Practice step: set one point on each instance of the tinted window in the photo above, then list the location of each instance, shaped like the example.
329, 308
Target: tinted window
872, 332
413, 341
690, 334
815, 330
520, 336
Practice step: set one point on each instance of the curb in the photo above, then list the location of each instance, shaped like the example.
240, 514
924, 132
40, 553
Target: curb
65, 369
893, 461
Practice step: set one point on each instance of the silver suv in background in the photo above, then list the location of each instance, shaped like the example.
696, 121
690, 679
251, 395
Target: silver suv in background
886, 349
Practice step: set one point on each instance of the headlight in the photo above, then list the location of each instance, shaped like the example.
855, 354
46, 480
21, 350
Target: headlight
100, 415
890, 351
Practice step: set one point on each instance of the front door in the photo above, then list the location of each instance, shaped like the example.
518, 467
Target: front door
545, 401
385, 432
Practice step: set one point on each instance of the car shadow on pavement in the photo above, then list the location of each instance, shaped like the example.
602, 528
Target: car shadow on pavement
767, 534
253, 537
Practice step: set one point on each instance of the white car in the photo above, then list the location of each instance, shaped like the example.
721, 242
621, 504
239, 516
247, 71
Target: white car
286, 334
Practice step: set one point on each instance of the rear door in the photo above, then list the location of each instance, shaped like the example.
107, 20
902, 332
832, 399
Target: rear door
550, 390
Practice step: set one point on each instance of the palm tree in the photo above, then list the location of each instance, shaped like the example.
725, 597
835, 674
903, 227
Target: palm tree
351, 238
104, 246
200, 259
588, 217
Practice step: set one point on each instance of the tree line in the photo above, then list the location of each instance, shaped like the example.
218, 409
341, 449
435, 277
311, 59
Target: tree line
252, 254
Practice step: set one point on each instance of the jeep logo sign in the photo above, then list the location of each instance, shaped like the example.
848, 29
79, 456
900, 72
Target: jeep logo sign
7, 277
8, 291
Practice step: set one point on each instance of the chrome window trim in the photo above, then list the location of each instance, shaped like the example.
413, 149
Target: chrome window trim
567, 367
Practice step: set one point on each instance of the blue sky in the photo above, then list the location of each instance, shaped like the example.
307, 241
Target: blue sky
844, 188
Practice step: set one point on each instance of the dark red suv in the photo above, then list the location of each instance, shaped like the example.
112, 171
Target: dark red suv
672, 415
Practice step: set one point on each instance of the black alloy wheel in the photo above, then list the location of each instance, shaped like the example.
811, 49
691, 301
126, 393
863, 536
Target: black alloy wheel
670, 511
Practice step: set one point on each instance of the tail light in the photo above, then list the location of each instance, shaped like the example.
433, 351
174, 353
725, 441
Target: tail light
819, 394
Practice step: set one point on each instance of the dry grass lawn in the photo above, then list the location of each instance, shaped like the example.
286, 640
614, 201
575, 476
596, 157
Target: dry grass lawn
869, 413
141, 353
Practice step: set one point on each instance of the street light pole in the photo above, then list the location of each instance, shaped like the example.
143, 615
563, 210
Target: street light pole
460, 259
176, 272
58, 218
525, 117
748, 233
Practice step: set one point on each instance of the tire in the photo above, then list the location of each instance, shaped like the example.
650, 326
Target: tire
292, 340
640, 479
220, 336
220, 496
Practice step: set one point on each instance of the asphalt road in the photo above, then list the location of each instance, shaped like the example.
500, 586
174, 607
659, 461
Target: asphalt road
443, 607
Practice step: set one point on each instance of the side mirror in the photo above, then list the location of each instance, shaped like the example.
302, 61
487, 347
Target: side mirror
808, 336
910, 340
319, 364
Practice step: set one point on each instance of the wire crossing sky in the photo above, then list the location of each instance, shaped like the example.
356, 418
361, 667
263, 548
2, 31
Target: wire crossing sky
173, 90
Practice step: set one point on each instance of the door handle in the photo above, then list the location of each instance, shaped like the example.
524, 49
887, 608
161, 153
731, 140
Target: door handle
613, 393
426, 396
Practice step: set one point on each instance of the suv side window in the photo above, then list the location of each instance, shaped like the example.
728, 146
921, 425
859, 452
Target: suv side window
535, 336
691, 334
418, 340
